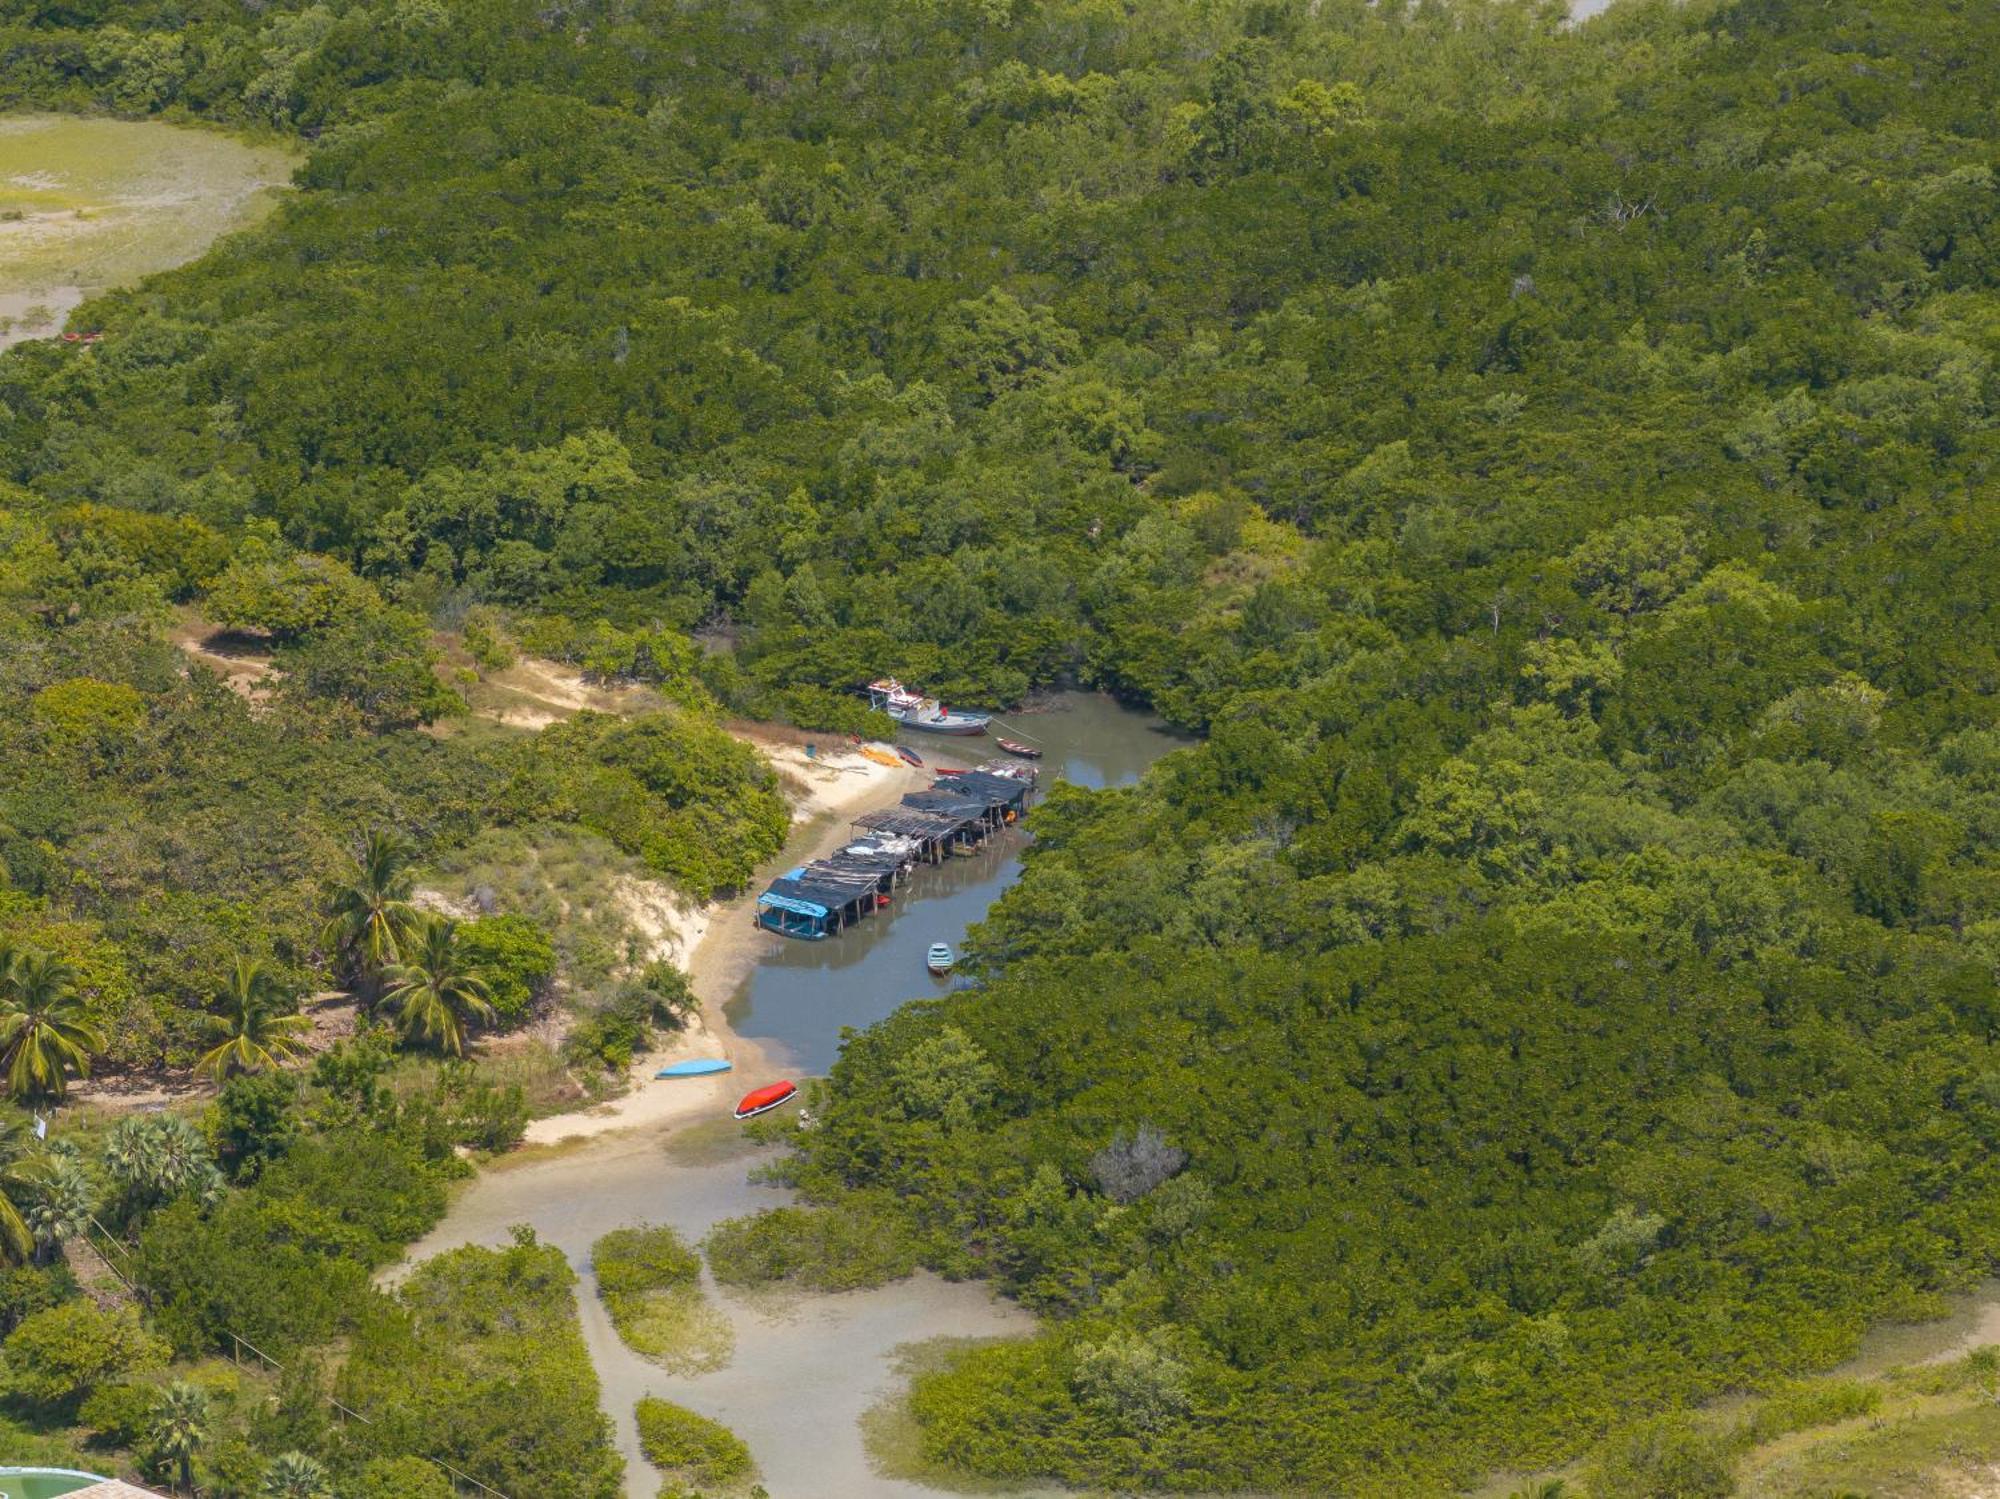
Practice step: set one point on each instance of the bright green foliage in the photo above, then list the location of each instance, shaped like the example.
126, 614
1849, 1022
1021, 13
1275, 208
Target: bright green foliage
696, 804
258, 1029
56, 1357
1551, 464
89, 711
380, 665
180, 1427
690, 1449
287, 596
434, 992
629, 1261
1670, 1457
372, 916
296, 1475
45, 1032
402, 1478
515, 958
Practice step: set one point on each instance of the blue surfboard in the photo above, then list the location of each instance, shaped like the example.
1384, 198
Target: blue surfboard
697, 1067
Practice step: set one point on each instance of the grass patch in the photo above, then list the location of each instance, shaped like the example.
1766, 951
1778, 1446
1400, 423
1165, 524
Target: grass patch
846, 1248
650, 1281
711, 1143
566, 880
691, 1451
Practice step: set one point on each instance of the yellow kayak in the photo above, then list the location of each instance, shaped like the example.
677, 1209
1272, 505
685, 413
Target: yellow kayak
881, 754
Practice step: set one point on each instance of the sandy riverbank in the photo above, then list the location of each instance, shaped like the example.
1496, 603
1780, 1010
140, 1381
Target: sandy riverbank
829, 791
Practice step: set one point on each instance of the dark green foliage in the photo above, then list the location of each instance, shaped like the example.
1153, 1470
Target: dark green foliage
480, 1363
285, 1262
254, 1122
1553, 465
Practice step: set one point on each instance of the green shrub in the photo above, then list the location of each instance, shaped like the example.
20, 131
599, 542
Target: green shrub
650, 1281
689, 1449
120, 1413
844, 1248
57, 1356
1809, 1403
835, 712
517, 960
650, 1257
1669, 1457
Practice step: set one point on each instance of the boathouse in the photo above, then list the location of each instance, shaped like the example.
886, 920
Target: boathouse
815, 903
1002, 793
930, 832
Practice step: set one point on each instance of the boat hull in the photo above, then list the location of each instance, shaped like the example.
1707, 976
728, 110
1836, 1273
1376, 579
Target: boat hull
763, 1100
955, 724
697, 1068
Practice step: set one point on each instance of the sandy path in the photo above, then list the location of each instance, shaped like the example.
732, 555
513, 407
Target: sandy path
805, 1368
830, 792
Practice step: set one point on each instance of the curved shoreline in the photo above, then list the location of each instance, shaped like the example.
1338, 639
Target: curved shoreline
839, 787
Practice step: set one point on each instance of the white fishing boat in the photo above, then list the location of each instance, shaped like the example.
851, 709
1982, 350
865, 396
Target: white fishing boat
915, 711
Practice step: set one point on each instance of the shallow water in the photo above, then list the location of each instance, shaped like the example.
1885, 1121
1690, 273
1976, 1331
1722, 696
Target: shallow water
801, 993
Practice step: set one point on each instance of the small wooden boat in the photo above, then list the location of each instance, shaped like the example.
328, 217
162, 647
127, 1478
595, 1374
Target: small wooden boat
947, 770
694, 1067
940, 958
910, 756
1015, 747
763, 1100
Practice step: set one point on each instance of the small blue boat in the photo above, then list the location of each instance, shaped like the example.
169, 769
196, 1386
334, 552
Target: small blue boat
696, 1067
939, 959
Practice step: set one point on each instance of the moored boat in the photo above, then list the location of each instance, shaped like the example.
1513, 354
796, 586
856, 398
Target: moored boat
1015, 747
763, 1100
910, 756
915, 711
695, 1067
940, 958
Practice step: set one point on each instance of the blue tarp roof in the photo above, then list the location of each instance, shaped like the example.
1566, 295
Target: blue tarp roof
796, 907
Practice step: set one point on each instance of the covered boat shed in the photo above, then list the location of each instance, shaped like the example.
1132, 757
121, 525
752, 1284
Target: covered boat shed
815, 903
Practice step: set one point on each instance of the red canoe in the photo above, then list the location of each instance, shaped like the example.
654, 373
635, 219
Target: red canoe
763, 1100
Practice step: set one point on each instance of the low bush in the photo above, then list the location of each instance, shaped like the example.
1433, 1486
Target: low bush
650, 1281
845, 1248
691, 1450
517, 960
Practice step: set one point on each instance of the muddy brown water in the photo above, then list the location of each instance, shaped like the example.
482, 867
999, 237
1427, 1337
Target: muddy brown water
806, 1368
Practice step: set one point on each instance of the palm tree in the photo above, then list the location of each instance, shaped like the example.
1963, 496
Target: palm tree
180, 1426
257, 1028
434, 994
294, 1475
20, 1182
44, 1032
372, 915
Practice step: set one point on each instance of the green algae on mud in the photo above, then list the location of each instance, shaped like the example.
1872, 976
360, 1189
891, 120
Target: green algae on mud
90, 204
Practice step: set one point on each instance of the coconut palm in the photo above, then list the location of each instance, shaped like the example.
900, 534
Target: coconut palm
434, 994
294, 1475
180, 1426
257, 1029
20, 1184
372, 915
44, 1032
